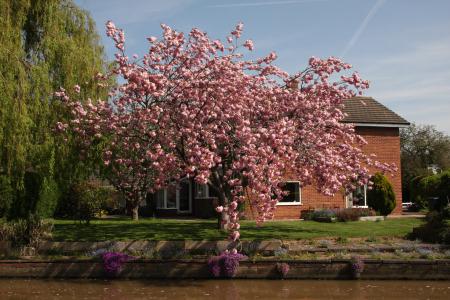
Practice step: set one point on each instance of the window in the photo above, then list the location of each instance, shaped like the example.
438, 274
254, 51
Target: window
294, 193
166, 198
358, 197
205, 191
177, 197
160, 197
201, 190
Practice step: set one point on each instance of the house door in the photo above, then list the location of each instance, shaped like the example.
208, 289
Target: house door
184, 198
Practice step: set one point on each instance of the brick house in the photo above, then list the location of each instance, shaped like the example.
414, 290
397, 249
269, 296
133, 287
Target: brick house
373, 121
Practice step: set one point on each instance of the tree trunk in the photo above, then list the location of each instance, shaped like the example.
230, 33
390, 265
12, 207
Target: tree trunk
135, 212
222, 220
223, 194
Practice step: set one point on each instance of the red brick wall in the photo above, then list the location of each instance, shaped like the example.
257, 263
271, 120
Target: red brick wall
385, 143
382, 141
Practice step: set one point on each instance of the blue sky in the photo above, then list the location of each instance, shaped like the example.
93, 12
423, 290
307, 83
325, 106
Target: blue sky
401, 46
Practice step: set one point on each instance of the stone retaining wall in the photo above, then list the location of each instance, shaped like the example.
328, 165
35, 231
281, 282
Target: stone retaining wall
177, 269
177, 249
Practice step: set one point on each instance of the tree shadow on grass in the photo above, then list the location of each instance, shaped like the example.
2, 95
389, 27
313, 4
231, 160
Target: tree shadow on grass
136, 231
170, 229
275, 231
179, 230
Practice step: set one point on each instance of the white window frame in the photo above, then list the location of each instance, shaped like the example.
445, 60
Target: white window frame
207, 190
164, 200
357, 206
177, 200
299, 194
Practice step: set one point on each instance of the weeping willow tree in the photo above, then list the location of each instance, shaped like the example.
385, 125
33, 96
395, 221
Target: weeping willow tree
44, 45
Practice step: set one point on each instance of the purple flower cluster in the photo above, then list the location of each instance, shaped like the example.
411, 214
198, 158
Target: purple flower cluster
283, 269
357, 266
113, 262
226, 264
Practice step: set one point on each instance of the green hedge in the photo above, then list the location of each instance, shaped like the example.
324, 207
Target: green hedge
433, 186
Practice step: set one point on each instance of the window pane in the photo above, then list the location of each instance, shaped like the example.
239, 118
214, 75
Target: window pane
184, 196
359, 196
159, 195
171, 197
201, 191
294, 192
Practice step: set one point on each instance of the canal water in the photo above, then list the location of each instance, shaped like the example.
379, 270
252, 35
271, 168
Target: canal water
222, 289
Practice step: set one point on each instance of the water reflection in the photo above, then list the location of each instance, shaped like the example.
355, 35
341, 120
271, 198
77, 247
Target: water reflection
222, 289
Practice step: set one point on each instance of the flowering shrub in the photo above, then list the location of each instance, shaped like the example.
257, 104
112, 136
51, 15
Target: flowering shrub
113, 262
283, 269
357, 266
225, 264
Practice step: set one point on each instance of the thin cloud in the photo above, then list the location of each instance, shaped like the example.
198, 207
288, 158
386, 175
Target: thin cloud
248, 4
123, 13
363, 26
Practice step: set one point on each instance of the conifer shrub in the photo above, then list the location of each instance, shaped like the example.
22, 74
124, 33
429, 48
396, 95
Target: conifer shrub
48, 198
39, 197
381, 196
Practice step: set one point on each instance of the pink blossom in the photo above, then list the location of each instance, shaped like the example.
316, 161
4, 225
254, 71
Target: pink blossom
235, 235
190, 110
249, 44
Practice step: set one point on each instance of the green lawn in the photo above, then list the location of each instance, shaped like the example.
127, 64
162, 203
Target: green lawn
168, 229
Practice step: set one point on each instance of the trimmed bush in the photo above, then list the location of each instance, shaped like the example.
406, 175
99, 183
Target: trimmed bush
353, 214
381, 196
323, 215
342, 215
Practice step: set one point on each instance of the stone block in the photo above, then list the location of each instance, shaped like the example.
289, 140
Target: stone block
170, 249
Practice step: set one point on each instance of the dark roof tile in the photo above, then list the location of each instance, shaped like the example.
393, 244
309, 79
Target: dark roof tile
368, 110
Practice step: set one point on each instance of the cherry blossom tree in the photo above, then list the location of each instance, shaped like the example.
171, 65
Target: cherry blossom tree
194, 107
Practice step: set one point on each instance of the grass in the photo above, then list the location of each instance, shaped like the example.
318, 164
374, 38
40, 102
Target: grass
170, 229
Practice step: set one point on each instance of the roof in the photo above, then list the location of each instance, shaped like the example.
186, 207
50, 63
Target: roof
369, 112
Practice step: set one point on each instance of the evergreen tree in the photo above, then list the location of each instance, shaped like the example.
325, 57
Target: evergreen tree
381, 196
